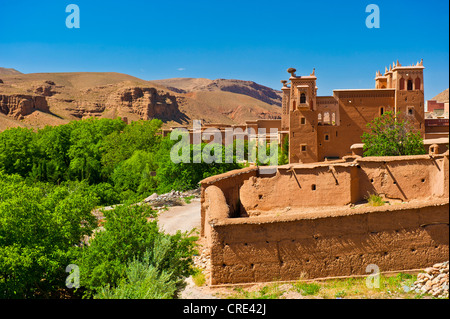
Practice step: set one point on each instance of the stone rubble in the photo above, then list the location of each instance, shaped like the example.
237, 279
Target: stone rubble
172, 195
434, 281
202, 261
173, 198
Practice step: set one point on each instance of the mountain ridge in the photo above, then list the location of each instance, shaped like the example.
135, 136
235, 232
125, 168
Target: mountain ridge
39, 99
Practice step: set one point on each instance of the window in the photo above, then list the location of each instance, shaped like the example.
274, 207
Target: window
417, 84
410, 110
302, 98
302, 120
293, 105
381, 110
410, 85
402, 84
327, 137
303, 147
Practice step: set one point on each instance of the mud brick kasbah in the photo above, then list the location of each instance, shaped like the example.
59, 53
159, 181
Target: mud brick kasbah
309, 219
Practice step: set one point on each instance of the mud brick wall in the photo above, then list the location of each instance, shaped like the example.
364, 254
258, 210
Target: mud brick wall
323, 236
261, 250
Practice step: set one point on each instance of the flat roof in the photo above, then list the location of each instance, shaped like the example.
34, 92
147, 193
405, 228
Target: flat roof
349, 90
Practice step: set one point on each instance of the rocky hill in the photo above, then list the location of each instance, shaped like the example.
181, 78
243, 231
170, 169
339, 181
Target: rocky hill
249, 88
442, 97
39, 99
5, 71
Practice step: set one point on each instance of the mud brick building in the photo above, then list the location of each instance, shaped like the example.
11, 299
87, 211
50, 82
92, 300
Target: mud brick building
325, 127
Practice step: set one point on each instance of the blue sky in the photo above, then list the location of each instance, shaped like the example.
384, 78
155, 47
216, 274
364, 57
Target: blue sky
247, 40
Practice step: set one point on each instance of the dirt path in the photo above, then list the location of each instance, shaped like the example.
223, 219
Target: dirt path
184, 218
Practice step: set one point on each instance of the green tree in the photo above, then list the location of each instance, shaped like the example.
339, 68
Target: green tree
127, 236
390, 135
184, 176
53, 143
18, 151
135, 174
85, 151
39, 227
121, 145
283, 152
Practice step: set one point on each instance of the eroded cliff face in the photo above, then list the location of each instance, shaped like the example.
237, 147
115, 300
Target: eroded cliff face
17, 105
100, 101
63, 97
147, 102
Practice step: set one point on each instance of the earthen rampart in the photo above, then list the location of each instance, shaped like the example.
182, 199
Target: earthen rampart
312, 220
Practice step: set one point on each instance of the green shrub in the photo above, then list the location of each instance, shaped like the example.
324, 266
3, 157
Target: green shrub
143, 281
129, 236
375, 200
198, 277
390, 135
307, 289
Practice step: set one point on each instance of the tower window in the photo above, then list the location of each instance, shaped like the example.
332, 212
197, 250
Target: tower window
410, 85
410, 110
303, 148
402, 84
381, 110
327, 137
417, 84
302, 98
302, 120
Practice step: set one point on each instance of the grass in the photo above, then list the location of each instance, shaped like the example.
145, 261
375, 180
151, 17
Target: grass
188, 199
307, 289
390, 287
198, 277
375, 200
267, 292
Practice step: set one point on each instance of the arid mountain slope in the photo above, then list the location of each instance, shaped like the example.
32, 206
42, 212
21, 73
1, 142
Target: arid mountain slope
442, 97
39, 99
6, 71
250, 88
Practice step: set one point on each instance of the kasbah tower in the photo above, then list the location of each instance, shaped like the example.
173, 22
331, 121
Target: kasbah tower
324, 127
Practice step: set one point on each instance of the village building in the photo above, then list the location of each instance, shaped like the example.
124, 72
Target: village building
323, 128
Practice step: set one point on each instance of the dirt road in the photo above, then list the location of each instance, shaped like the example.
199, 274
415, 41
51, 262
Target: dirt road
183, 218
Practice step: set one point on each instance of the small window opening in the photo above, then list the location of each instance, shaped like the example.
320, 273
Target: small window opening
302, 98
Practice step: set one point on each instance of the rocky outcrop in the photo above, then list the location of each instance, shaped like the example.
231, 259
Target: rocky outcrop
147, 102
18, 106
45, 89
